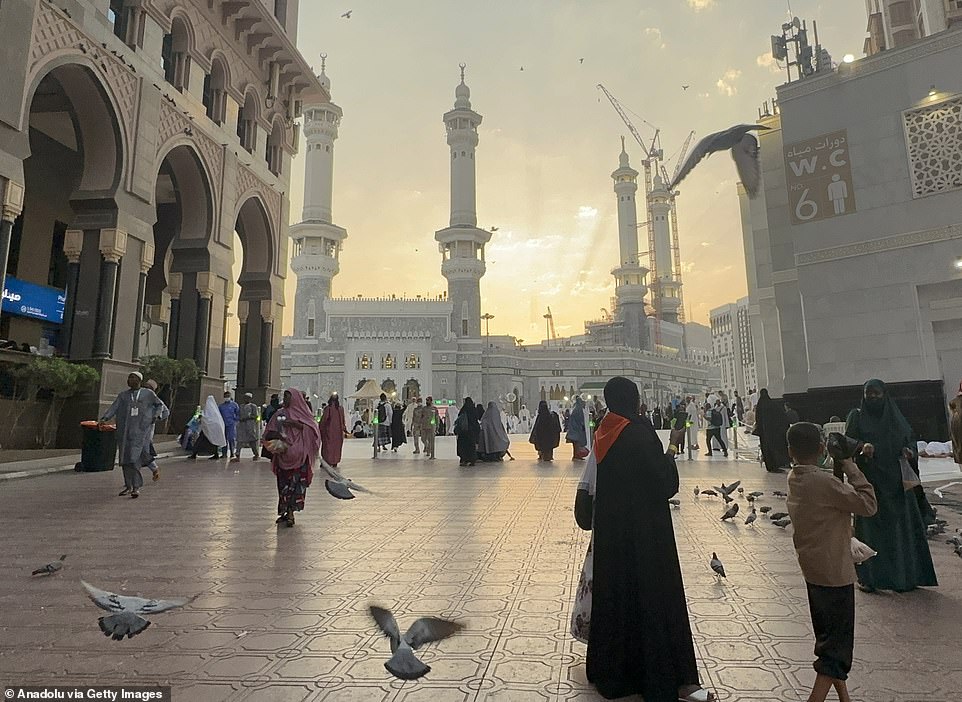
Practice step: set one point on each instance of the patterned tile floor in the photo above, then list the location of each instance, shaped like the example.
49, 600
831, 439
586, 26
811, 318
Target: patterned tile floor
280, 614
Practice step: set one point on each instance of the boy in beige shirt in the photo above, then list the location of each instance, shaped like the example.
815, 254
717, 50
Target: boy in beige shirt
821, 508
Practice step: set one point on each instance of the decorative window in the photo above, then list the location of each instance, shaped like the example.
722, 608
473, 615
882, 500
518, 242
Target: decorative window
933, 135
412, 361
310, 327
388, 362
364, 362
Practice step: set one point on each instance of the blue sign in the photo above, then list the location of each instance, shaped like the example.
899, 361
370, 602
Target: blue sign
36, 301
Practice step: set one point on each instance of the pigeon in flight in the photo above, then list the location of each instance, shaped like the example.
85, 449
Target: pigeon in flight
522, 68
750, 519
744, 150
126, 619
685, 87
347, 15
730, 512
581, 60
339, 486
494, 229
50, 568
727, 490
716, 565
403, 663
782, 522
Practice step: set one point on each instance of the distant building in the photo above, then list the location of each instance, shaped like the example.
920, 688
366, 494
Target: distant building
893, 24
698, 343
734, 350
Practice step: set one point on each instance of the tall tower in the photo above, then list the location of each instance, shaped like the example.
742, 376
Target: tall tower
668, 287
462, 243
317, 241
630, 288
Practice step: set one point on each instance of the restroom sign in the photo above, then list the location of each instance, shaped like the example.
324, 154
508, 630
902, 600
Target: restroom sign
818, 174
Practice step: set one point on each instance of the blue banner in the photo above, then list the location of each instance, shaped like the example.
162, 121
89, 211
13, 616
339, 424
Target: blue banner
35, 301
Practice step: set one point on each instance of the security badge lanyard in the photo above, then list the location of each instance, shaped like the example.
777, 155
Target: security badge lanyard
134, 411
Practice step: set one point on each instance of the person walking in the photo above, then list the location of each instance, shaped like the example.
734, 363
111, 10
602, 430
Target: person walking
450, 419
271, 407
679, 420
417, 411
577, 434
468, 430
493, 440
409, 409
692, 412
248, 431
716, 420
385, 417
135, 411
426, 425
230, 411
771, 426
398, 433
293, 426
897, 530
333, 428
212, 434
150, 458
637, 630
546, 432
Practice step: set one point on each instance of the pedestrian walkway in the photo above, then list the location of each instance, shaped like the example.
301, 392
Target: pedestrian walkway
280, 614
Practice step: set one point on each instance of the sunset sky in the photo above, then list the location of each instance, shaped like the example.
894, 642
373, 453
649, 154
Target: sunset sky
549, 139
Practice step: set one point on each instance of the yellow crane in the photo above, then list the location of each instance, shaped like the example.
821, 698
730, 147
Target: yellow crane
549, 327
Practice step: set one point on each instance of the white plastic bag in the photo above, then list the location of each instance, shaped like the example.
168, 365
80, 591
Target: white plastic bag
861, 552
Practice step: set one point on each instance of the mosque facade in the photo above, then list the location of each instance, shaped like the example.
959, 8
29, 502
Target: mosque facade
421, 347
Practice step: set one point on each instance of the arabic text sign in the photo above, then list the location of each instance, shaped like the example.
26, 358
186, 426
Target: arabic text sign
37, 301
818, 174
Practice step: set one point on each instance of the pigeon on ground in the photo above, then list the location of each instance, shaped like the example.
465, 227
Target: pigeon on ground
339, 486
741, 490
50, 568
744, 150
934, 529
730, 512
777, 515
696, 491
751, 498
779, 493
756, 493
403, 663
675, 502
955, 541
709, 492
782, 522
716, 565
764, 509
958, 551
750, 519
126, 620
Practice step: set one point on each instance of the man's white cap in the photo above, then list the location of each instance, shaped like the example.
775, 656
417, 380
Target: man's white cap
138, 374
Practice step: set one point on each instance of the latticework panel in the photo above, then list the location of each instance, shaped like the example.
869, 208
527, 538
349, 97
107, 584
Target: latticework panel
934, 137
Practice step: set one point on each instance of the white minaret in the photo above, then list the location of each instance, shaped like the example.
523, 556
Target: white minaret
317, 241
462, 244
630, 288
668, 289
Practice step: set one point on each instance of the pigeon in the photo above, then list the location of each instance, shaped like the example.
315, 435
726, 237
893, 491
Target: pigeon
522, 68
779, 493
494, 229
685, 87
934, 529
727, 490
347, 15
339, 486
730, 512
764, 509
126, 620
756, 493
741, 490
751, 498
581, 60
782, 522
777, 515
750, 519
955, 541
675, 502
958, 551
403, 663
50, 568
696, 491
709, 492
716, 565
744, 150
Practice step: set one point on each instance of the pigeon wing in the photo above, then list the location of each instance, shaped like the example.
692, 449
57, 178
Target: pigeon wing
142, 606
428, 629
707, 146
734, 486
108, 601
338, 490
745, 154
387, 624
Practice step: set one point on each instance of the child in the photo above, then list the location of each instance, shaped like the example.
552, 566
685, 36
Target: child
821, 507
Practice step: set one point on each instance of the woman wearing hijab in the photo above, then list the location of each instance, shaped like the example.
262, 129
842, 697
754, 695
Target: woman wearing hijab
897, 530
293, 424
771, 428
639, 637
398, 434
333, 427
546, 432
212, 432
493, 442
468, 431
577, 434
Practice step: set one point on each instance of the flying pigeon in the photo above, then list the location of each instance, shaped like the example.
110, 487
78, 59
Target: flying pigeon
403, 663
685, 87
50, 568
339, 486
730, 512
777, 515
744, 150
716, 565
581, 60
764, 509
750, 519
126, 620
522, 68
782, 522
675, 502
347, 15
729, 489
709, 492
779, 493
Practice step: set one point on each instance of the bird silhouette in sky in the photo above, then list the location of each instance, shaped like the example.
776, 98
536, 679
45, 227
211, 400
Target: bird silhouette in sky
581, 60
494, 229
685, 87
522, 68
347, 15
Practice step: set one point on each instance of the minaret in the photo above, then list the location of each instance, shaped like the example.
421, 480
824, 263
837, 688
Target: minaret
630, 288
668, 289
462, 244
317, 241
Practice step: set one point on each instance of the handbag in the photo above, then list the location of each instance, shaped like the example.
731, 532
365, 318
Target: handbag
581, 612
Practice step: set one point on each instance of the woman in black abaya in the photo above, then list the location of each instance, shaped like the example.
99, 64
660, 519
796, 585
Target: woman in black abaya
771, 427
468, 430
639, 640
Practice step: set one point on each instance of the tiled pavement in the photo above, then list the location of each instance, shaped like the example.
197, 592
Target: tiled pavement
280, 614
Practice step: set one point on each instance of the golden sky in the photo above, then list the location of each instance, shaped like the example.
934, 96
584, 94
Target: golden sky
549, 139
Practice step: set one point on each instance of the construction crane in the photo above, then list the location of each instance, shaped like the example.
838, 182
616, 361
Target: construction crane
605, 315
549, 327
675, 240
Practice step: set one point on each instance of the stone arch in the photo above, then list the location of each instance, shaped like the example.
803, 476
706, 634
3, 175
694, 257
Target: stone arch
276, 142
248, 118
256, 232
217, 86
178, 50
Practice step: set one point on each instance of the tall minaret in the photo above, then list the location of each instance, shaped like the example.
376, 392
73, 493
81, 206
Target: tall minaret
630, 288
462, 244
317, 242
668, 288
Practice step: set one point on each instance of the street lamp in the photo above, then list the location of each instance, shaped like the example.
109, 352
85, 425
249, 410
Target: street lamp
487, 317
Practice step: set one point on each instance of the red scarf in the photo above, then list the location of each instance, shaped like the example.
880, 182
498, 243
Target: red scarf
607, 433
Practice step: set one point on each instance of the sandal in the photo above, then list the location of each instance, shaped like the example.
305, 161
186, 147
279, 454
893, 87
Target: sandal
282, 518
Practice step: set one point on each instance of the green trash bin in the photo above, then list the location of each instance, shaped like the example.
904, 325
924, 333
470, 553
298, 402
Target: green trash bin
99, 448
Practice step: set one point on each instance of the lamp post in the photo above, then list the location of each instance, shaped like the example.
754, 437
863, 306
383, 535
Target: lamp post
487, 317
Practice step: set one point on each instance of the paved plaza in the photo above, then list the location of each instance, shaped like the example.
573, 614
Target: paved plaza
280, 614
